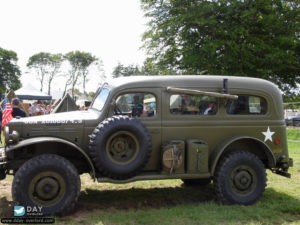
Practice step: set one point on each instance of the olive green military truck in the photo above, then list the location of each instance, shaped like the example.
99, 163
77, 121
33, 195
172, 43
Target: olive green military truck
228, 130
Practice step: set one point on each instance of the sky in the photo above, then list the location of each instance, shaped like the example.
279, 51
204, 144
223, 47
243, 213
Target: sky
110, 30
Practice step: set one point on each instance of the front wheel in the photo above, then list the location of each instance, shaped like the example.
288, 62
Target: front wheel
49, 181
240, 178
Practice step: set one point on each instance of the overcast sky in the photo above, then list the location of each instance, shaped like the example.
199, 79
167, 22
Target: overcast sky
110, 30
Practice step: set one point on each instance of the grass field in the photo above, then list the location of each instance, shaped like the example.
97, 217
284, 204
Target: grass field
169, 202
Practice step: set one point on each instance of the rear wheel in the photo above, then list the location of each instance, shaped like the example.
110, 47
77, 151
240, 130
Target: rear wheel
240, 178
49, 181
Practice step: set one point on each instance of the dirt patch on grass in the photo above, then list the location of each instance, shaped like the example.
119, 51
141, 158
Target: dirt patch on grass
6, 207
6, 203
5, 186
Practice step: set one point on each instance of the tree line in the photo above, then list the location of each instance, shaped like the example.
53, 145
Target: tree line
257, 38
47, 67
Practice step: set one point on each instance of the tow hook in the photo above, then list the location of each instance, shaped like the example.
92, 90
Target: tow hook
282, 167
283, 173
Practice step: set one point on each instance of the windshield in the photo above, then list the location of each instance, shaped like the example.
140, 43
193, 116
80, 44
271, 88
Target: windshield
100, 99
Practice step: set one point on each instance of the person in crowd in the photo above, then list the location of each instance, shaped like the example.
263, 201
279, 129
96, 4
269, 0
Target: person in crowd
39, 110
16, 111
43, 109
48, 109
34, 108
29, 110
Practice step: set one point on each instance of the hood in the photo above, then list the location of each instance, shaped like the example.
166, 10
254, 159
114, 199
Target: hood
74, 117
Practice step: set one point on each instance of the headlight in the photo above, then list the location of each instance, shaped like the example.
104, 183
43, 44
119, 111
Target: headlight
2, 154
6, 134
11, 138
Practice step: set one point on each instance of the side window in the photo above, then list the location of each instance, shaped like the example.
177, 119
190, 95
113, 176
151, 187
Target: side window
136, 105
247, 105
181, 104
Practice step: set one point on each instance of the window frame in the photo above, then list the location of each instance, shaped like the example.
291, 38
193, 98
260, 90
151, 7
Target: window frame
191, 115
155, 116
249, 114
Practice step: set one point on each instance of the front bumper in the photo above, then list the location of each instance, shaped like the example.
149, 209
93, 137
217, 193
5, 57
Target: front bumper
2, 155
3, 163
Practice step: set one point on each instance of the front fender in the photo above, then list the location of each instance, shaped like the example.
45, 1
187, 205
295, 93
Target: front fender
217, 153
37, 140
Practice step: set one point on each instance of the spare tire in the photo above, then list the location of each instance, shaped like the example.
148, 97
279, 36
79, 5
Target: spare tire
120, 147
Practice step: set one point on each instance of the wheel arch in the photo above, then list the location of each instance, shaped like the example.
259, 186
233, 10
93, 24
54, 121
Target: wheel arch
44, 145
249, 144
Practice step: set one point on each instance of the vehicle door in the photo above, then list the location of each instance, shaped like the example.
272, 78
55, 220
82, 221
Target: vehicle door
143, 104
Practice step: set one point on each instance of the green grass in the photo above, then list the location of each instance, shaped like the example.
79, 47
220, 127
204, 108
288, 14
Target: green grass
169, 202
293, 134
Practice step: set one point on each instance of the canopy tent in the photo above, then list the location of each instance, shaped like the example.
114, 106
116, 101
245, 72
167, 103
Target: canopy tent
31, 93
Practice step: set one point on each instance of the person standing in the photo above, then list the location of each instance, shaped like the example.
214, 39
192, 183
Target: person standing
16, 108
29, 110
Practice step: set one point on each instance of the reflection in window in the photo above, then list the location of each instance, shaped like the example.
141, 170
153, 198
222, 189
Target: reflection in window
100, 99
136, 105
247, 105
182, 104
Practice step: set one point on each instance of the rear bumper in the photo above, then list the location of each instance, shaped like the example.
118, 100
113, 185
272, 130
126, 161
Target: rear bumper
290, 162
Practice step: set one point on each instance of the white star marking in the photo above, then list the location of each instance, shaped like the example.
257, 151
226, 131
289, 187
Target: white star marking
268, 135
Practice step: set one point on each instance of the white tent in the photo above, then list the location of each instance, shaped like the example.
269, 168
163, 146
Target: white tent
31, 93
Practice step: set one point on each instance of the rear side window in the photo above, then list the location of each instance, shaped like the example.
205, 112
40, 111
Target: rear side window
182, 104
247, 105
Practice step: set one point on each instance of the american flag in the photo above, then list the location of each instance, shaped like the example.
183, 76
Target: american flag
6, 114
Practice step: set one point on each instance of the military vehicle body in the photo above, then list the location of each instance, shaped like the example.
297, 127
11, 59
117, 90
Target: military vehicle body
194, 128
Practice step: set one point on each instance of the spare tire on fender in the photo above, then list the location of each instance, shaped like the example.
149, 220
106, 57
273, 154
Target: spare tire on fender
120, 147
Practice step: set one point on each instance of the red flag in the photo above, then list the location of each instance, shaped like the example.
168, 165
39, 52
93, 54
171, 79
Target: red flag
6, 114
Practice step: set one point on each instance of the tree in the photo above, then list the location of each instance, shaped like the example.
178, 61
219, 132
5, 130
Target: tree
123, 71
40, 62
9, 70
47, 66
230, 37
79, 61
55, 62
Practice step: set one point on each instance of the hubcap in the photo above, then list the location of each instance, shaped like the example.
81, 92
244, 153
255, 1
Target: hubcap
243, 180
47, 188
122, 147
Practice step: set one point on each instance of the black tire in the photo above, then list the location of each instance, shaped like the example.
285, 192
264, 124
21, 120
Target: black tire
240, 178
120, 147
49, 181
196, 182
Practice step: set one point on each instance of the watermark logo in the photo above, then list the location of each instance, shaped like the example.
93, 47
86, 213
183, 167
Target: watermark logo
32, 215
19, 211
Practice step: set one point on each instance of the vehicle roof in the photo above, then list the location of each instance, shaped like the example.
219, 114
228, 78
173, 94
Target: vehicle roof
194, 81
